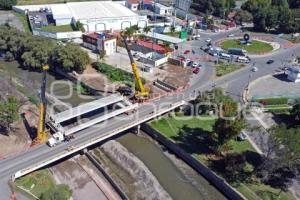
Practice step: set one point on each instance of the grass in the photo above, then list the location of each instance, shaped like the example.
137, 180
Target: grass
24, 21
223, 69
33, 2
55, 29
256, 47
40, 182
173, 34
37, 182
187, 135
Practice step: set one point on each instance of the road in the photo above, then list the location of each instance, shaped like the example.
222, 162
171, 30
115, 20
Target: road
234, 85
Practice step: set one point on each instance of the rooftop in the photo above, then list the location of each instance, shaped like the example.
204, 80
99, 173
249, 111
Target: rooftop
95, 35
163, 37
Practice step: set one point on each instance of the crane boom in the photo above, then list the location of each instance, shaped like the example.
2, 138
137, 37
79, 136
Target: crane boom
41, 133
141, 90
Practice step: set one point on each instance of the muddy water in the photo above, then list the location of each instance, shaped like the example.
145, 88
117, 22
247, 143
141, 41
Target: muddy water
59, 86
171, 178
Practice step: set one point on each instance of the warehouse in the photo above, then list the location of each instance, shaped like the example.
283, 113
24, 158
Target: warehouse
94, 15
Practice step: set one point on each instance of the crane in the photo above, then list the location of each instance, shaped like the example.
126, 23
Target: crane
141, 91
41, 135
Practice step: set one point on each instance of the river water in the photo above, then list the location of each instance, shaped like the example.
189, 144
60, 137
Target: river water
172, 179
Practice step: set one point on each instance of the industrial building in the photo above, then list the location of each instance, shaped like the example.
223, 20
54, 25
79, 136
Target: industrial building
94, 15
134, 5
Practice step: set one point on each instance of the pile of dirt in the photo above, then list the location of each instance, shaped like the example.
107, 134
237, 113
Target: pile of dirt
147, 186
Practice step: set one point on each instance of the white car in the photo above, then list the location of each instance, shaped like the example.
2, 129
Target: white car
195, 64
187, 60
254, 69
196, 37
208, 40
230, 35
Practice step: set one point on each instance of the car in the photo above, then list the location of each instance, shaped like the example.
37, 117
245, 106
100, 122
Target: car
186, 52
231, 35
195, 64
196, 70
187, 60
270, 62
242, 136
208, 40
254, 69
196, 37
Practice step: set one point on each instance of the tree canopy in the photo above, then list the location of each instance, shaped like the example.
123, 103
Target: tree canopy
32, 52
9, 112
7, 4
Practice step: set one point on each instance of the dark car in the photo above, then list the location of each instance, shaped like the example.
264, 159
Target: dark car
196, 70
270, 61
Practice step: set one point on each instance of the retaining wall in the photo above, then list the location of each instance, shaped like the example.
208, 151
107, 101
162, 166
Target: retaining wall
209, 175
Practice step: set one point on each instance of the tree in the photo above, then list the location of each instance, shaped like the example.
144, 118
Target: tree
227, 130
9, 56
243, 16
9, 112
7, 4
147, 29
58, 192
102, 55
296, 111
80, 26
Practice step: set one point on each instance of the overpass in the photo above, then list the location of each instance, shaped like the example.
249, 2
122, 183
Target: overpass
80, 145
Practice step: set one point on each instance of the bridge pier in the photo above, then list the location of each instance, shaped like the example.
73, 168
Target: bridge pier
138, 129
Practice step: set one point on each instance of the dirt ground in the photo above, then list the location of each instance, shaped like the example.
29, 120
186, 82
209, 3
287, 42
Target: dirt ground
82, 177
177, 76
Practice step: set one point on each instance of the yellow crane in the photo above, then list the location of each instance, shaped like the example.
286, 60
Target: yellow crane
41, 135
140, 91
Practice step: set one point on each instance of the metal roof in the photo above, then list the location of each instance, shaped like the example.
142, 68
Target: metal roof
165, 38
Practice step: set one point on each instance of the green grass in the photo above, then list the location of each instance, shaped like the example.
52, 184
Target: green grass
55, 29
40, 182
255, 47
187, 134
260, 191
37, 182
173, 34
33, 2
24, 21
223, 69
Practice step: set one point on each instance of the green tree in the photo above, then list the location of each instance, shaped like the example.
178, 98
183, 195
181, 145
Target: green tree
227, 130
59, 192
243, 16
102, 55
9, 56
147, 29
296, 111
7, 4
79, 26
9, 112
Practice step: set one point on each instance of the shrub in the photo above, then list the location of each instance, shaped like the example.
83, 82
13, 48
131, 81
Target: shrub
273, 101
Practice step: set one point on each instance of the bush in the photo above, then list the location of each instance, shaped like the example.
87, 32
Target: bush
114, 74
7, 4
273, 101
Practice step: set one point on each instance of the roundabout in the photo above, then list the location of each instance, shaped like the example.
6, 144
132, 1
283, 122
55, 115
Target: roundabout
255, 47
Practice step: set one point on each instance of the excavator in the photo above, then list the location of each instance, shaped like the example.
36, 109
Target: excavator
41, 135
141, 92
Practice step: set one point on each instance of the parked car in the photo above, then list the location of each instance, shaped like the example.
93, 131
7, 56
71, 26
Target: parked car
242, 136
196, 37
195, 64
186, 52
270, 62
231, 35
196, 70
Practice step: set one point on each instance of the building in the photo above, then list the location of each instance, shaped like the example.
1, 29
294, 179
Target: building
95, 16
99, 42
162, 9
135, 5
293, 73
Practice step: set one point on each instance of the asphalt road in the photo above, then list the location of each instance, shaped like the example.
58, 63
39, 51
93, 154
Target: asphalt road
233, 83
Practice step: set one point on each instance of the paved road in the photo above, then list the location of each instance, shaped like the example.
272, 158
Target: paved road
233, 83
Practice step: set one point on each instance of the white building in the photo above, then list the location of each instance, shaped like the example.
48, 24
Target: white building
94, 15
293, 73
99, 42
162, 9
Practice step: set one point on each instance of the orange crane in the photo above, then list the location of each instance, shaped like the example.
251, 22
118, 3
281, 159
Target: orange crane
41, 135
140, 90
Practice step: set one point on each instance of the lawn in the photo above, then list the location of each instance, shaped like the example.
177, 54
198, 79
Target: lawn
55, 29
256, 47
173, 34
188, 134
24, 21
222, 69
34, 2
40, 182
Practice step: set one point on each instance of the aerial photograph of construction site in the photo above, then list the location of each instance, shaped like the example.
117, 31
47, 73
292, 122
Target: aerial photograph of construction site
149, 99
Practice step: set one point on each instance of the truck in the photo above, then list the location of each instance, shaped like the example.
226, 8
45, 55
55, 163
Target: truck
58, 138
237, 52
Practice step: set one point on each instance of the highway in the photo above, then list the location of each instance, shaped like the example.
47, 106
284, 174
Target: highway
234, 85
